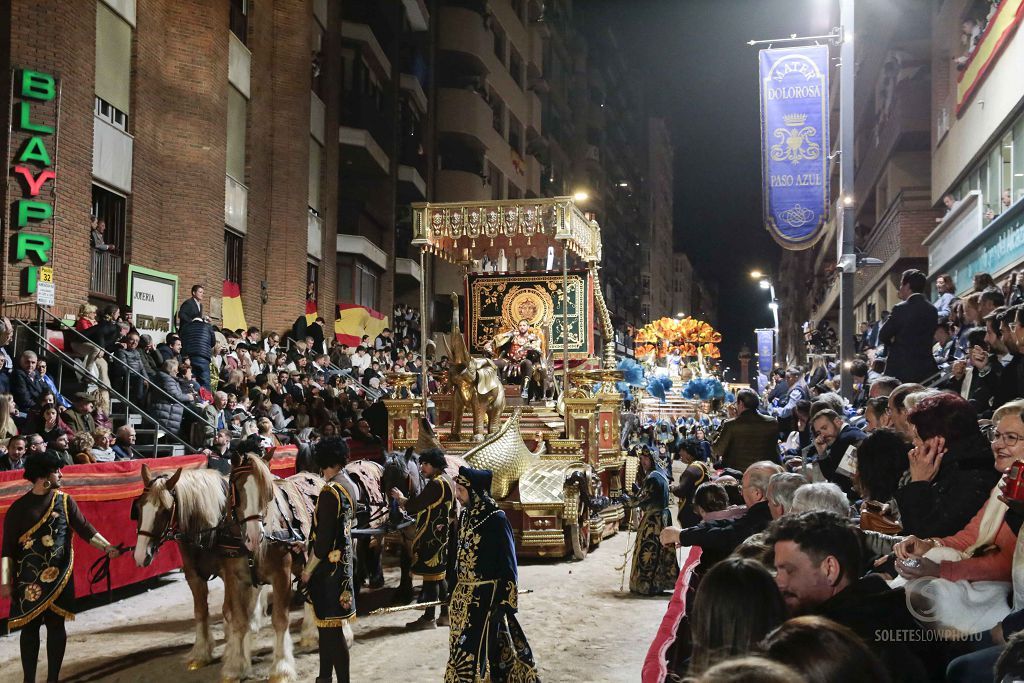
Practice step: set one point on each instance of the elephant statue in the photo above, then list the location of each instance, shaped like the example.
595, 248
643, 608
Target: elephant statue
475, 382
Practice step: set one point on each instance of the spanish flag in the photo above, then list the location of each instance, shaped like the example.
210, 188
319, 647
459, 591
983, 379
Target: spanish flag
231, 307
311, 313
354, 321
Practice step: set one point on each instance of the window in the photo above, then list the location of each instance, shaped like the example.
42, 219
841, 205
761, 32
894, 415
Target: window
497, 112
318, 60
236, 134
312, 281
113, 62
1001, 169
111, 209
111, 114
515, 135
497, 181
515, 67
239, 19
499, 41
232, 257
356, 283
315, 160
1018, 160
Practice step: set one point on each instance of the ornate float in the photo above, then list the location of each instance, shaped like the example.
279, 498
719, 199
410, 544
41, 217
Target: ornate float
529, 266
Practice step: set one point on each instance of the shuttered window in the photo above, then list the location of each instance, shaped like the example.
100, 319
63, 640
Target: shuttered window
113, 58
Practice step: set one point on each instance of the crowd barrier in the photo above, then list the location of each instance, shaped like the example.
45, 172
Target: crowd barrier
104, 493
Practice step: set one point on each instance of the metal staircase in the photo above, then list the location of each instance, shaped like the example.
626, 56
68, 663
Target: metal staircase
71, 377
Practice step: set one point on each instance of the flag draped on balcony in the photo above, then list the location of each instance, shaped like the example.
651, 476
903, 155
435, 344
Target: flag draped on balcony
354, 321
234, 315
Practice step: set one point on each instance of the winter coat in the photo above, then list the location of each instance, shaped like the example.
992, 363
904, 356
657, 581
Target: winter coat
123, 378
197, 339
944, 505
163, 410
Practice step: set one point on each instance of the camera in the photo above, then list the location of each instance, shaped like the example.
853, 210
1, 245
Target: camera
1015, 481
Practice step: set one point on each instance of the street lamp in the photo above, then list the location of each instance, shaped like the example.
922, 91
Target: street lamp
581, 195
765, 284
680, 315
756, 274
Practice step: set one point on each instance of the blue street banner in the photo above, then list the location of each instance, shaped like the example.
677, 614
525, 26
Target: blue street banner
794, 143
765, 349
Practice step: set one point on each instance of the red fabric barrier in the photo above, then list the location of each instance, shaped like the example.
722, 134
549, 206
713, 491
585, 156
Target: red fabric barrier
104, 493
655, 668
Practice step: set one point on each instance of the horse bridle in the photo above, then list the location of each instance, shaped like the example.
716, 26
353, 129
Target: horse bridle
243, 467
170, 531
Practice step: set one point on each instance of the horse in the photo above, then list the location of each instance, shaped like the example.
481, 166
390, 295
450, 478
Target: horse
187, 506
402, 471
272, 515
363, 477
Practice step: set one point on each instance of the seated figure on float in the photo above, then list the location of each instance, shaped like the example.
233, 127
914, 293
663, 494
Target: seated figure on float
519, 355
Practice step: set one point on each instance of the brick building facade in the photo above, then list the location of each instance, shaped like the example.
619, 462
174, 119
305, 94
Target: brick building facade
154, 160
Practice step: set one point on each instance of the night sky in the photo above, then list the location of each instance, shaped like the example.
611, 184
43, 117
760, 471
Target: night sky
703, 80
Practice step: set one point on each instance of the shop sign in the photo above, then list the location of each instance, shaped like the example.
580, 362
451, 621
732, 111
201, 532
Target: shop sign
795, 143
152, 298
35, 113
998, 251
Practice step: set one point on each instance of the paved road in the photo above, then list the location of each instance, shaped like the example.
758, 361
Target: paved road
581, 626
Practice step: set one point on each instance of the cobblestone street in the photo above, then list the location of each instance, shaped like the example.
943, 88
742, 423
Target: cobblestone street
581, 627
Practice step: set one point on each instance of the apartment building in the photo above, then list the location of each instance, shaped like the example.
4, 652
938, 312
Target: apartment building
977, 140
202, 134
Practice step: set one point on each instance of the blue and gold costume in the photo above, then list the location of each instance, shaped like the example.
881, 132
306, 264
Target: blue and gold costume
654, 566
486, 642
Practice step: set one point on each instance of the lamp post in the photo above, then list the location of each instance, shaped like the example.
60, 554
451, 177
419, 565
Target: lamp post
765, 283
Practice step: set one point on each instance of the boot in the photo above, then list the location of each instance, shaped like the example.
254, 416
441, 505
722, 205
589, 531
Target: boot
443, 620
424, 623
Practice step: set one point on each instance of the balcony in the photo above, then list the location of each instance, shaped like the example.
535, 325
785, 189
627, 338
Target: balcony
112, 155
357, 245
411, 186
897, 237
464, 114
461, 186
411, 84
463, 31
365, 135
364, 35
416, 12
906, 126
409, 268
105, 272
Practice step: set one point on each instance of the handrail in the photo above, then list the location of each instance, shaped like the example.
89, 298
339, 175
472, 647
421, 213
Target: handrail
65, 327
67, 359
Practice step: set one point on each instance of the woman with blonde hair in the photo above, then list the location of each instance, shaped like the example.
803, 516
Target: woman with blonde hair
7, 410
81, 448
86, 317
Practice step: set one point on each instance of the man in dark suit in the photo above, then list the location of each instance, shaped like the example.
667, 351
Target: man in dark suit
26, 385
832, 439
191, 308
908, 333
749, 437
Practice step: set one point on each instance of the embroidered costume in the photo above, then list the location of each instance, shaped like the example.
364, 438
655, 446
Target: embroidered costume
486, 641
654, 566
331, 588
37, 536
433, 509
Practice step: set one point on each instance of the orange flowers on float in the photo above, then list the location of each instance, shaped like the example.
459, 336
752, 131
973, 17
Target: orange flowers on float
687, 337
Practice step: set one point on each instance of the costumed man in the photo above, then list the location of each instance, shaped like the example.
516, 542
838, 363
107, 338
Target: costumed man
654, 567
38, 559
486, 642
329, 571
522, 353
434, 507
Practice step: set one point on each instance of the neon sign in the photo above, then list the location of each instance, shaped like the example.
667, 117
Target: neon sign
32, 167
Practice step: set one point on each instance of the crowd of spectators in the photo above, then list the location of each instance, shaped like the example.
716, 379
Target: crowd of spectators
203, 386
874, 539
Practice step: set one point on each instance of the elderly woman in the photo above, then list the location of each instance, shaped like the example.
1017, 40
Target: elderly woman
980, 552
951, 474
167, 405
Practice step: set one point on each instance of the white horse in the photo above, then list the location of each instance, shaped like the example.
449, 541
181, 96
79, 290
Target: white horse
188, 506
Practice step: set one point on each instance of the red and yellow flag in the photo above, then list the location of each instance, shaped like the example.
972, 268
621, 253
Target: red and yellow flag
231, 307
354, 321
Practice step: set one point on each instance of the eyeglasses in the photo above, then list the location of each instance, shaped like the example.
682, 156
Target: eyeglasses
1009, 438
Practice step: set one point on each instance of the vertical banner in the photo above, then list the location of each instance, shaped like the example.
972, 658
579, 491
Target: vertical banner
794, 143
765, 349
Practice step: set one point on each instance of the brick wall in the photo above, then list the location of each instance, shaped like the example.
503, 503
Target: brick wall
178, 119
59, 38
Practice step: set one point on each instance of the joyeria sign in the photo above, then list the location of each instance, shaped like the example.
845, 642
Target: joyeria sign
34, 115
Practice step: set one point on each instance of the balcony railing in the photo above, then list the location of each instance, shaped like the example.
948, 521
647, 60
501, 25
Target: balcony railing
106, 269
